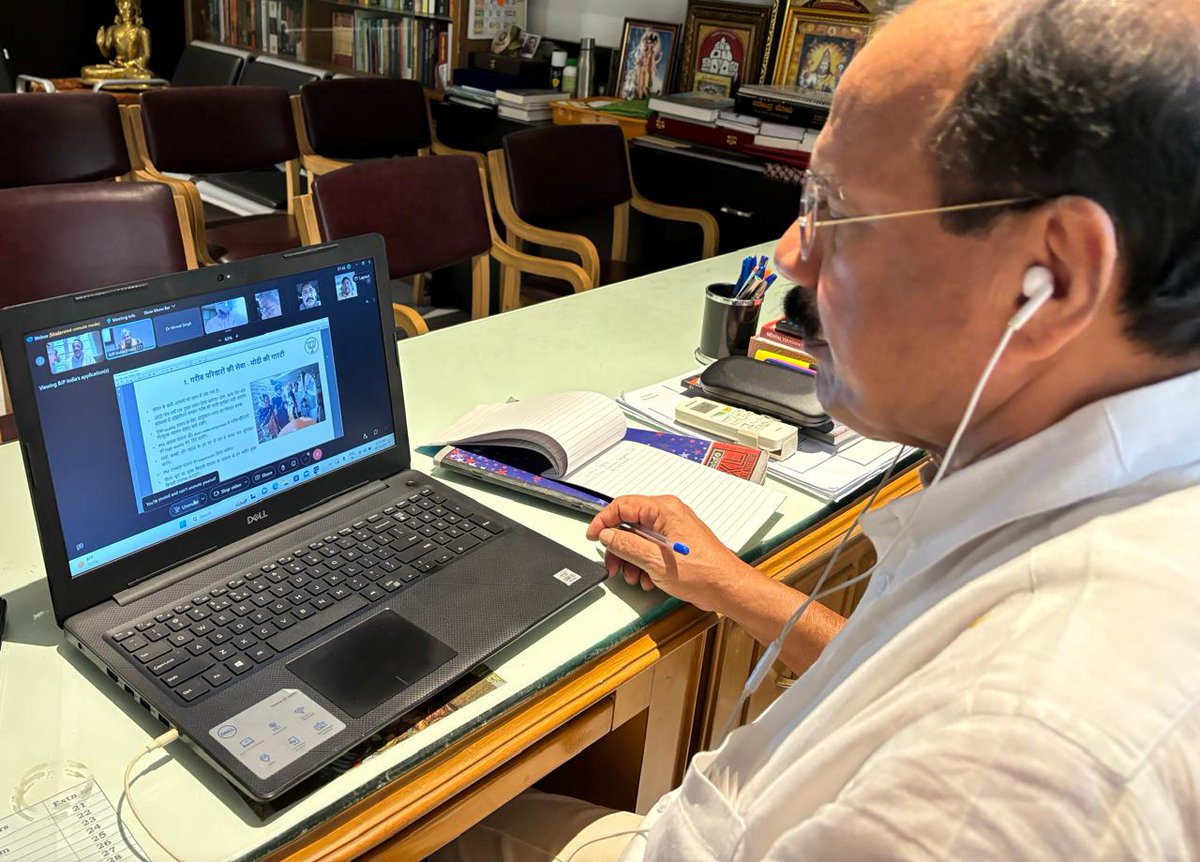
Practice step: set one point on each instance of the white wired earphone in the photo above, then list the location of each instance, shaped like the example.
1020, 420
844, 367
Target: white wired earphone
1037, 288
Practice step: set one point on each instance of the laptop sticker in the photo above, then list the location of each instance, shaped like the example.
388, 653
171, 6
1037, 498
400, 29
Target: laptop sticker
276, 731
567, 576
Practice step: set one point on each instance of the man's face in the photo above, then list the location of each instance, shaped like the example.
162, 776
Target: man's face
77, 349
908, 312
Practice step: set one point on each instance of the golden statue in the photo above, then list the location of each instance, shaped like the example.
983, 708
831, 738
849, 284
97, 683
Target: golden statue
127, 43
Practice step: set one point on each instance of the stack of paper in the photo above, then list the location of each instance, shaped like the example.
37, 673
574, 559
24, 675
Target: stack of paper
816, 468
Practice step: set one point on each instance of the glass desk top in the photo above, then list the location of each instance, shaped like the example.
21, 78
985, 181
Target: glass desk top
63, 722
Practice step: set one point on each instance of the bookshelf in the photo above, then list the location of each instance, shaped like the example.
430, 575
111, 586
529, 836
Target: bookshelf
398, 38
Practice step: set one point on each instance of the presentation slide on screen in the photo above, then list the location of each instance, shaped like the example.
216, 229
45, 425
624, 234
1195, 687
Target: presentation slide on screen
231, 409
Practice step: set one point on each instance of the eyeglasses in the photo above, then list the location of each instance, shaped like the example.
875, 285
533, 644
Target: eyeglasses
812, 197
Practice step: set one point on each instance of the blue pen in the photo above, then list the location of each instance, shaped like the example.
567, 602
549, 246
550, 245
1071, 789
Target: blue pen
747, 268
658, 538
762, 288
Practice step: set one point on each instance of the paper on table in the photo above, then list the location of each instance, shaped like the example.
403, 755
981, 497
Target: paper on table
733, 508
816, 467
78, 824
569, 428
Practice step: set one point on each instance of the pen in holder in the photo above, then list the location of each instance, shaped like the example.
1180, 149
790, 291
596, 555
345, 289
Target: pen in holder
728, 323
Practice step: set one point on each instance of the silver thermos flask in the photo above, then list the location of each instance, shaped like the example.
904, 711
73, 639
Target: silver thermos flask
587, 50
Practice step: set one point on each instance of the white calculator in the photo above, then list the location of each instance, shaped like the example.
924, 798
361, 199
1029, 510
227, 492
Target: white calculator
775, 438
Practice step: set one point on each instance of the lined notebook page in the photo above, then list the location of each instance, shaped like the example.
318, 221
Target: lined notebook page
732, 508
571, 428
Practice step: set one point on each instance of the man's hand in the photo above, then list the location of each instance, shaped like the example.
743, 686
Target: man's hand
702, 577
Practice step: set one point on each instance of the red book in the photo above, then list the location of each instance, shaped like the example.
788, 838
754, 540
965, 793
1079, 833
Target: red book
712, 136
769, 331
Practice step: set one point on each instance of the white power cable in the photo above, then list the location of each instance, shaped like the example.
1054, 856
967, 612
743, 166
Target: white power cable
166, 739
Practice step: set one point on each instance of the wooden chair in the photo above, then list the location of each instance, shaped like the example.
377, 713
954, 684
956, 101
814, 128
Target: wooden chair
432, 213
181, 133
207, 64
60, 138
344, 120
268, 71
75, 237
543, 177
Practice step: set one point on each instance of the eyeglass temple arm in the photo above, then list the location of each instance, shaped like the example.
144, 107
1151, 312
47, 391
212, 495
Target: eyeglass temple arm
907, 213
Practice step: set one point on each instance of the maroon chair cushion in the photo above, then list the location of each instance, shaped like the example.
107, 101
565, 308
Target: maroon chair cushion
75, 237
60, 138
429, 210
365, 118
561, 172
208, 130
240, 238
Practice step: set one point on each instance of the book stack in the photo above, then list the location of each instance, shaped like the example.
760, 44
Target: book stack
781, 103
472, 97
528, 106
725, 124
731, 119
770, 339
788, 122
693, 117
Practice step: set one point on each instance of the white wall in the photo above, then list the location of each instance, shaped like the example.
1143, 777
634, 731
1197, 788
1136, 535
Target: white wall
603, 20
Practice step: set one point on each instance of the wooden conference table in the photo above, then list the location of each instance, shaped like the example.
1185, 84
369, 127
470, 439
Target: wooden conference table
637, 679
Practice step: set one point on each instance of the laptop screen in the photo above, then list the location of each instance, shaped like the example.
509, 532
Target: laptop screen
159, 419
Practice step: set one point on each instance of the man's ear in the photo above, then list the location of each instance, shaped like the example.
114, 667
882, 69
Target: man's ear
1077, 241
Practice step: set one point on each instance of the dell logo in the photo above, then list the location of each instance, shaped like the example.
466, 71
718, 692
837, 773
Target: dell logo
257, 516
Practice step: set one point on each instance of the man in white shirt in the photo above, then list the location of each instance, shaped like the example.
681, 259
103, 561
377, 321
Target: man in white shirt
1022, 678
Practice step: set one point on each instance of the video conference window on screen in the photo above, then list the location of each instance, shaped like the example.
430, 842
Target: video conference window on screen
225, 423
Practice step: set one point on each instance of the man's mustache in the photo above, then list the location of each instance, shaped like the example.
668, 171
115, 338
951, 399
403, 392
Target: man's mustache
800, 307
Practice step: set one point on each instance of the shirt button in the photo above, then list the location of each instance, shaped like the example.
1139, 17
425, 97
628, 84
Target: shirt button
883, 583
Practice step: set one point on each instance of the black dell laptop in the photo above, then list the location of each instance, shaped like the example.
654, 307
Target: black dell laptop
219, 467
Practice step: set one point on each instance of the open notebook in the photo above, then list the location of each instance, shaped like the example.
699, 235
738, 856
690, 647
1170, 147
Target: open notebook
582, 437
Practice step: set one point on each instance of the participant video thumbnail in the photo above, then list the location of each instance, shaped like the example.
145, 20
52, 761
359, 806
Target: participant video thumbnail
78, 351
288, 402
346, 288
268, 304
308, 296
223, 315
132, 337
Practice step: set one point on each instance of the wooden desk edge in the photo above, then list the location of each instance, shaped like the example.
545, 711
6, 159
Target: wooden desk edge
422, 791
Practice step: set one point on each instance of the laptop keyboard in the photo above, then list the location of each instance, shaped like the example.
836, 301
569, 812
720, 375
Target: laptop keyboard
204, 641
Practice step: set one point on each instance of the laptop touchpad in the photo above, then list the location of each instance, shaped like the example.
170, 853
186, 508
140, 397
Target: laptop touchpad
373, 661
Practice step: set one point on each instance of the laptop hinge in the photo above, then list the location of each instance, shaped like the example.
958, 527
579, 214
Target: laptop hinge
326, 507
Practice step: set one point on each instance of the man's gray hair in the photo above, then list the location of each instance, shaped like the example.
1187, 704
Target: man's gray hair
1101, 99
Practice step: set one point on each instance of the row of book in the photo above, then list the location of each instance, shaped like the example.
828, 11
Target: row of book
397, 47
419, 7
273, 26
765, 121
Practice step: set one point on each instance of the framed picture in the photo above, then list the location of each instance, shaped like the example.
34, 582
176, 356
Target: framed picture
647, 58
529, 45
813, 43
713, 85
723, 39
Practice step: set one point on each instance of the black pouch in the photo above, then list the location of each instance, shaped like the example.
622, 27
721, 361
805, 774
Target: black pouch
740, 381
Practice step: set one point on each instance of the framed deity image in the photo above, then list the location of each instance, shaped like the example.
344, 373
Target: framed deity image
648, 51
723, 39
814, 43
